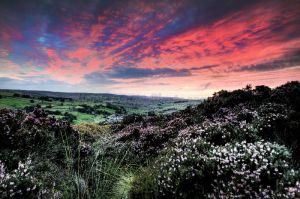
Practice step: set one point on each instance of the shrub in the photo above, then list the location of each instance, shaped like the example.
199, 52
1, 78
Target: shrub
198, 152
91, 132
184, 172
56, 112
151, 113
196, 169
16, 95
262, 93
48, 106
144, 184
69, 117
29, 109
147, 141
25, 96
18, 182
227, 125
277, 122
288, 93
77, 168
132, 119
253, 170
51, 144
45, 98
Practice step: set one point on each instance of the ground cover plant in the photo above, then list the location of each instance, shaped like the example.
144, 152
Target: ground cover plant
235, 144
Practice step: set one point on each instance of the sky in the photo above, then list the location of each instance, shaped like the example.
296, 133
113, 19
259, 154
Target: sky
182, 48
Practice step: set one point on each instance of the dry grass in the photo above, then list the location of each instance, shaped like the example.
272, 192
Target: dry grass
92, 130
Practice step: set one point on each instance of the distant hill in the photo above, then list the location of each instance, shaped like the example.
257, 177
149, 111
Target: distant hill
91, 107
86, 96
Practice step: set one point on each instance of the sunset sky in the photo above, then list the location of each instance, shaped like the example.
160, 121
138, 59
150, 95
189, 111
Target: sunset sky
184, 48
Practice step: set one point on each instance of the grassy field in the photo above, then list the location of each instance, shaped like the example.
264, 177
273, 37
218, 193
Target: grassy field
91, 108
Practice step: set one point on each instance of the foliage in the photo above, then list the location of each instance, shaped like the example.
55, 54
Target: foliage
194, 168
145, 184
123, 186
238, 144
69, 117
43, 139
243, 143
91, 132
147, 139
19, 182
254, 170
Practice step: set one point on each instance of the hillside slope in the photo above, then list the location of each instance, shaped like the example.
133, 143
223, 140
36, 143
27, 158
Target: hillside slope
239, 144
244, 143
269, 114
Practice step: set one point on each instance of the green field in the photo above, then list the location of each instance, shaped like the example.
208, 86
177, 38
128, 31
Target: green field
90, 108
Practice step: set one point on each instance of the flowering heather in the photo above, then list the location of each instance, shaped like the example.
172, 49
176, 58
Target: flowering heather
32, 151
253, 170
19, 182
240, 144
195, 167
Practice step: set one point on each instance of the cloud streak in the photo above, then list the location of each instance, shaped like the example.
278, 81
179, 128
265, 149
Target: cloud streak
128, 73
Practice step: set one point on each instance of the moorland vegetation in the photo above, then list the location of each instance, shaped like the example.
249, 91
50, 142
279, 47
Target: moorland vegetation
236, 144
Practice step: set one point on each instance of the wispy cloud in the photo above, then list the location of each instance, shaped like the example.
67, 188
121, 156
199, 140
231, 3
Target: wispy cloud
99, 79
292, 59
127, 73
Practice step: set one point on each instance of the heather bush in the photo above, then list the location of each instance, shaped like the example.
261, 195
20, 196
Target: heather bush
240, 144
236, 144
64, 162
34, 134
146, 142
277, 122
288, 94
253, 170
18, 182
194, 168
185, 170
45, 140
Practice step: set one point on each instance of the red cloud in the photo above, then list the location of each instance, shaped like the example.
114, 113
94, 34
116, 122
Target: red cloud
129, 37
242, 38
